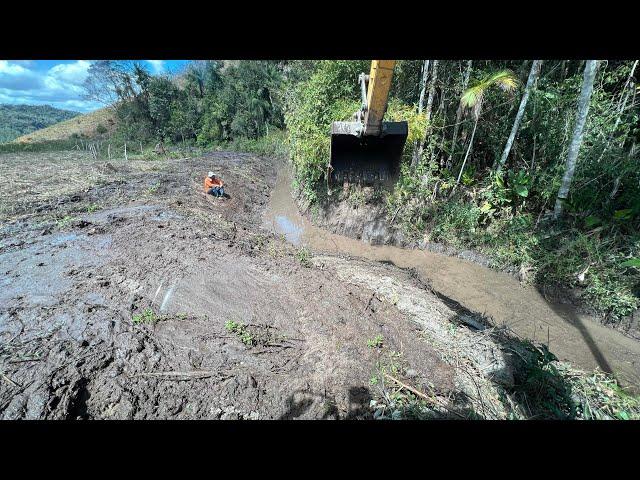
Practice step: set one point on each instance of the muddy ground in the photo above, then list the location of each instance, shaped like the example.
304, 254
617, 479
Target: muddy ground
121, 283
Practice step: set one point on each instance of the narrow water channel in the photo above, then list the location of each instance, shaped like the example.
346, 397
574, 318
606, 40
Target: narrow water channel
571, 336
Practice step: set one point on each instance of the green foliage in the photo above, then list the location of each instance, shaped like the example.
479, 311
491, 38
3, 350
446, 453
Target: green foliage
473, 97
209, 103
455, 223
505, 193
18, 120
548, 389
272, 145
65, 221
330, 93
147, 316
245, 101
505, 214
303, 255
376, 342
46, 146
241, 331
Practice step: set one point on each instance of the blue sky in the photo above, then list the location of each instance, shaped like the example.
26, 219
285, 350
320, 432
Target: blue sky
58, 82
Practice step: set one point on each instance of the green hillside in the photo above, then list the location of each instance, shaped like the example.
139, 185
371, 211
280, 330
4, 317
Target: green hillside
84, 125
17, 120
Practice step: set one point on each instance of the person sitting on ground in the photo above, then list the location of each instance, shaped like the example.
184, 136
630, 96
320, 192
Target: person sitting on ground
214, 185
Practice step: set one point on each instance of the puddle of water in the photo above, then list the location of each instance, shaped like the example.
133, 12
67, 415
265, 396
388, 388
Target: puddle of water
291, 231
571, 336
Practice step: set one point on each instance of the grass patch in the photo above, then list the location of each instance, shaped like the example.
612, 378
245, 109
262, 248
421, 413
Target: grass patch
549, 389
147, 316
153, 189
65, 221
241, 331
80, 126
303, 255
40, 146
273, 145
376, 342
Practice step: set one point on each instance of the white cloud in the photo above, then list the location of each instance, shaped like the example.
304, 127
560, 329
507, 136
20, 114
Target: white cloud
12, 68
157, 65
60, 86
74, 73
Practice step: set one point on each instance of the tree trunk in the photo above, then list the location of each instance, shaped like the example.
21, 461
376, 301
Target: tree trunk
416, 148
456, 127
423, 89
624, 97
464, 162
578, 131
444, 121
533, 75
432, 90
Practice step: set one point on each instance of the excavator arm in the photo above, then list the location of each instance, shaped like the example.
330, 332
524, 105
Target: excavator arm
379, 84
369, 150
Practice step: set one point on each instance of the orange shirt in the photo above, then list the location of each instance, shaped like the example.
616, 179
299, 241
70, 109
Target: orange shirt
211, 182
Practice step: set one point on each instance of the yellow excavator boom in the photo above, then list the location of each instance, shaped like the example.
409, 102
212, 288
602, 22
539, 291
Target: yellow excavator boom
377, 95
368, 150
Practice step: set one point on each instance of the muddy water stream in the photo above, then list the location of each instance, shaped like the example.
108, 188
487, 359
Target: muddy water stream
572, 337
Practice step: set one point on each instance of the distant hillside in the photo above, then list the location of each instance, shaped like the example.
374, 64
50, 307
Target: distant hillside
83, 125
17, 120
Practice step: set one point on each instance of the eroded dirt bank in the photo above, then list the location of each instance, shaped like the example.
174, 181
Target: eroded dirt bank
120, 280
571, 336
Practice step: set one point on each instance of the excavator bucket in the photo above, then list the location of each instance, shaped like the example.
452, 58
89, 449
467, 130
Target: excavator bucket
366, 159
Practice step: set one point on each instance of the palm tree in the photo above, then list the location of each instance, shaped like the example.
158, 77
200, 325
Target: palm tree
473, 99
576, 139
533, 76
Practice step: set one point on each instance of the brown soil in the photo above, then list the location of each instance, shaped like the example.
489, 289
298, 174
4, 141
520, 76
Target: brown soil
73, 281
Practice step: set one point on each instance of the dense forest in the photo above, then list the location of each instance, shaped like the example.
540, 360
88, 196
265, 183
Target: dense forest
534, 163
18, 120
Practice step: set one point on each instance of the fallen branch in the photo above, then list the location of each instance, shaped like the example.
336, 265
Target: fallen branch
194, 375
422, 395
10, 381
